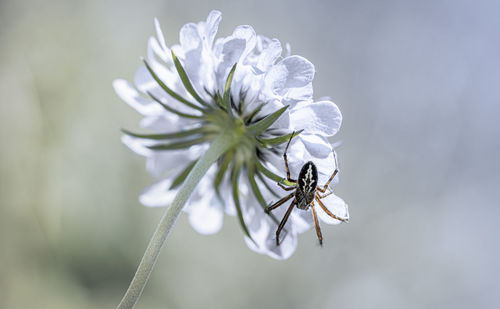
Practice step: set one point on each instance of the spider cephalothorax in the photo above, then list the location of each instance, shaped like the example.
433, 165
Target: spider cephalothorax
306, 191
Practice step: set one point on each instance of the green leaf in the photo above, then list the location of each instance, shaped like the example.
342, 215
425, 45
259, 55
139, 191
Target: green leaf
235, 173
178, 134
279, 140
185, 80
172, 110
227, 91
259, 175
168, 90
261, 125
261, 168
179, 145
179, 179
222, 171
248, 119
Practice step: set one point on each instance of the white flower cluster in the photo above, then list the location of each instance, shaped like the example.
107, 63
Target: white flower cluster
188, 111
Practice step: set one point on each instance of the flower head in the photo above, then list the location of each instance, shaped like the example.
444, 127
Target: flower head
193, 91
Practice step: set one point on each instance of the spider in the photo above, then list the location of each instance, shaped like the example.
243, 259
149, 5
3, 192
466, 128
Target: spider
306, 192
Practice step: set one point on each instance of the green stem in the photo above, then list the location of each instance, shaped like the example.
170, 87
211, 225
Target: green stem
219, 146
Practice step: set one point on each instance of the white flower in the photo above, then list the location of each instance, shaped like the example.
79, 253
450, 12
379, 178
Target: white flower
181, 94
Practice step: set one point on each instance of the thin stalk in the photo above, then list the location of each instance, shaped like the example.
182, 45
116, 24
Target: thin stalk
219, 146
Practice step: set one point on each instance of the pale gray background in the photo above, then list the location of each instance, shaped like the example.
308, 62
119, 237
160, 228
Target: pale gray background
417, 82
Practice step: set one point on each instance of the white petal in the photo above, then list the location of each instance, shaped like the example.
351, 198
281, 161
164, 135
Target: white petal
269, 55
302, 220
165, 123
137, 145
336, 206
158, 194
128, 94
323, 118
265, 241
189, 37
248, 35
317, 145
160, 162
291, 72
212, 24
206, 215
159, 34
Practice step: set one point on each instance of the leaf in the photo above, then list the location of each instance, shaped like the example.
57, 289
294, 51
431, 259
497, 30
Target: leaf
172, 110
280, 139
179, 179
168, 90
261, 125
248, 119
179, 145
227, 91
185, 80
178, 134
222, 171
235, 173
261, 168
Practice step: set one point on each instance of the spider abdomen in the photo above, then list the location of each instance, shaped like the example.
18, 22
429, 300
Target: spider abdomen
307, 182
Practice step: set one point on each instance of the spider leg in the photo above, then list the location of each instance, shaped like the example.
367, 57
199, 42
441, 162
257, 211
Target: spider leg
323, 190
329, 212
286, 161
283, 221
286, 188
324, 195
316, 225
280, 202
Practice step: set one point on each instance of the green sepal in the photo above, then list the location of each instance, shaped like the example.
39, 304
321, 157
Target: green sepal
179, 145
261, 168
268, 187
178, 134
235, 173
260, 126
227, 91
278, 140
185, 80
248, 119
172, 110
222, 171
179, 179
168, 90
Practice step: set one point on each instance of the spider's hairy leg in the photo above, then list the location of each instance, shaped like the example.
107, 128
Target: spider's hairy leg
286, 188
316, 225
280, 202
323, 190
283, 221
329, 212
324, 195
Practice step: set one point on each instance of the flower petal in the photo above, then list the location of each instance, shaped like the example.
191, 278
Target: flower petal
269, 55
322, 118
158, 194
291, 72
128, 94
211, 26
265, 241
206, 216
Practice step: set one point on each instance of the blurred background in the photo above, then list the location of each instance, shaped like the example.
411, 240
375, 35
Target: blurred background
416, 81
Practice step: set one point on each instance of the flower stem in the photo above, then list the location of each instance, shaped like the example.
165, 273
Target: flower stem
219, 146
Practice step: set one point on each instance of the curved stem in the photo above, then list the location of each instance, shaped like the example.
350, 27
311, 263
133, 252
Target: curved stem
218, 147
